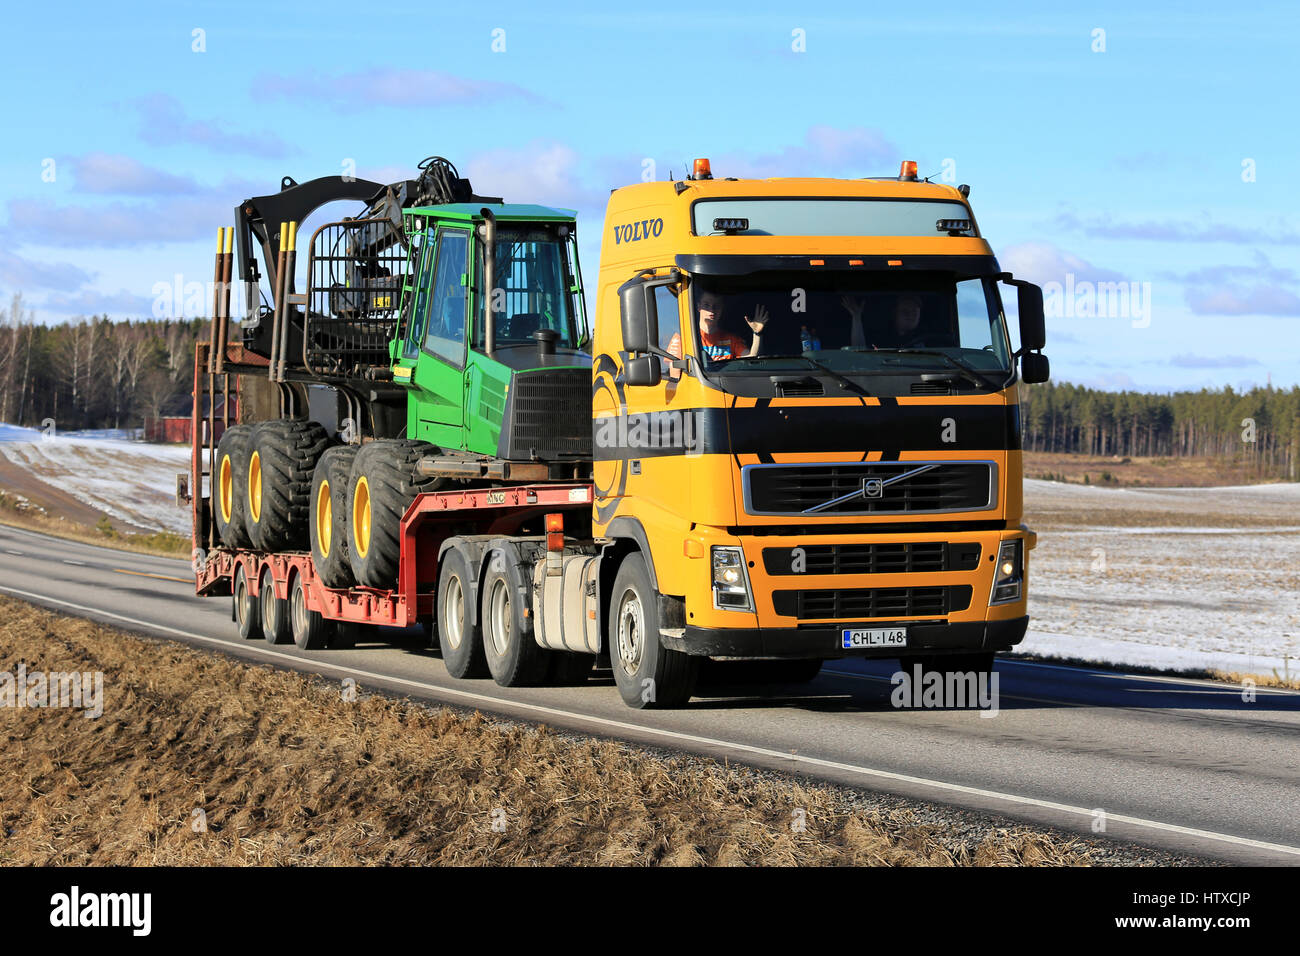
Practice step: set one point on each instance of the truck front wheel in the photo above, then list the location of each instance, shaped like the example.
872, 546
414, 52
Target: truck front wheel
647, 673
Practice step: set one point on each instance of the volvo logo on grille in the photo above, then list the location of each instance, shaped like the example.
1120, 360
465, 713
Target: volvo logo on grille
872, 487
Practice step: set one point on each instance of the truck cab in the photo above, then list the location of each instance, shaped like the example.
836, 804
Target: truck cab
806, 420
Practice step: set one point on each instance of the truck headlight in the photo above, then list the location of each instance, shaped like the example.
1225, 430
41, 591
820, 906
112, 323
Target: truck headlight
730, 580
1008, 578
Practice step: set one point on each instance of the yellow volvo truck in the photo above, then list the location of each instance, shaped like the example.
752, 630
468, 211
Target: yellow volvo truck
806, 427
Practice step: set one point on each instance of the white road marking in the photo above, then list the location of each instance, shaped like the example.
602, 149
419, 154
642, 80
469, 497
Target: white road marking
7, 551
80, 564
677, 736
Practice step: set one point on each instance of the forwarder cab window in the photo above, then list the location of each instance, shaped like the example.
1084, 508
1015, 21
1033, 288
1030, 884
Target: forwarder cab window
446, 336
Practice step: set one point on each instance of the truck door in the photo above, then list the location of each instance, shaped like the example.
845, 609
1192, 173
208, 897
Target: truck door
439, 371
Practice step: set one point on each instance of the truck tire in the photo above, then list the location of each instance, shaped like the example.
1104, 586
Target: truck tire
329, 516
514, 658
275, 611
458, 632
282, 456
311, 632
248, 612
382, 486
647, 673
229, 498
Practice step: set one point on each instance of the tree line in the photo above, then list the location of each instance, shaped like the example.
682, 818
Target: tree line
1260, 426
92, 372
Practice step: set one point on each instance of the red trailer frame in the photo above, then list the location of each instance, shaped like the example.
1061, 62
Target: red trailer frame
430, 520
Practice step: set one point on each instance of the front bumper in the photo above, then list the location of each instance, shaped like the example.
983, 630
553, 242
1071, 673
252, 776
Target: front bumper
823, 641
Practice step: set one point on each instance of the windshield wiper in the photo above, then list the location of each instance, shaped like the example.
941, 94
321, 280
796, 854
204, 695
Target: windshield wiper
842, 379
971, 373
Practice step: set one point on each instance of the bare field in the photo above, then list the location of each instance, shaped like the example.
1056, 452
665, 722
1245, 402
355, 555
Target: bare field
1179, 577
1147, 472
288, 772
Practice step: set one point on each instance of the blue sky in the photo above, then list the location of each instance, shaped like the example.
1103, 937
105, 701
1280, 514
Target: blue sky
1164, 162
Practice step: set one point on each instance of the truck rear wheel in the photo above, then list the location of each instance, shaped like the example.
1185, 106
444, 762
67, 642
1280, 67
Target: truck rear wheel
458, 634
229, 498
311, 631
382, 486
513, 656
275, 611
248, 613
647, 673
329, 516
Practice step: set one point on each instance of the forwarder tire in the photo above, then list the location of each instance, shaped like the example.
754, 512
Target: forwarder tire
382, 486
647, 673
459, 638
229, 499
282, 456
513, 656
329, 516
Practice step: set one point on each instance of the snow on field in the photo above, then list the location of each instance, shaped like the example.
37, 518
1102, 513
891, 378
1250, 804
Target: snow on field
132, 481
1221, 592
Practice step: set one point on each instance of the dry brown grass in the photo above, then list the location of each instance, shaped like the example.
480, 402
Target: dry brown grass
288, 772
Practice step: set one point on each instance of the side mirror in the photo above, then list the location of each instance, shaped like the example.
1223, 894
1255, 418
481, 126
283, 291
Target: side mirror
640, 317
642, 371
1033, 332
1034, 368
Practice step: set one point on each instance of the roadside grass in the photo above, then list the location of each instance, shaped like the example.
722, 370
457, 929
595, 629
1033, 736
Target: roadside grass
286, 770
18, 513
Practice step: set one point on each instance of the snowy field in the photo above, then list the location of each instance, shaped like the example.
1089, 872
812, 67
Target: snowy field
1166, 577
131, 481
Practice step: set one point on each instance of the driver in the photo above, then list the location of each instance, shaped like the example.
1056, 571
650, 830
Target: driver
901, 333
719, 345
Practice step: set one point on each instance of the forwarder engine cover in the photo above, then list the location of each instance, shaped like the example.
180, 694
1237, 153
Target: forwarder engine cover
547, 416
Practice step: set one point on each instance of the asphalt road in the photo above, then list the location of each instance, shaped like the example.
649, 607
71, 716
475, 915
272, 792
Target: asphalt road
1179, 764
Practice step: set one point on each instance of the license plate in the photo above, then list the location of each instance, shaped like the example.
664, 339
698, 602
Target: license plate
875, 637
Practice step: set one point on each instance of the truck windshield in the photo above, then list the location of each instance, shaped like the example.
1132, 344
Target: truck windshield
851, 322
533, 289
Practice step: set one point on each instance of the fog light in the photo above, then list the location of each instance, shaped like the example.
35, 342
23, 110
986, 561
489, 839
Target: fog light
730, 582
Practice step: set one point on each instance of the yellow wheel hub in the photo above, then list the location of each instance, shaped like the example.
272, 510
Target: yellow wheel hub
361, 516
324, 518
226, 484
255, 486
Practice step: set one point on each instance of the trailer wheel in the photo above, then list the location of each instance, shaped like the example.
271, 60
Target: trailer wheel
329, 516
311, 631
275, 611
382, 486
282, 456
229, 499
458, 633
647, 673
248, 612
513, 656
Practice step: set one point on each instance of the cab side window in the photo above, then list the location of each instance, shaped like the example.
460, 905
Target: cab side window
446, 328
418, 314
670, 326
